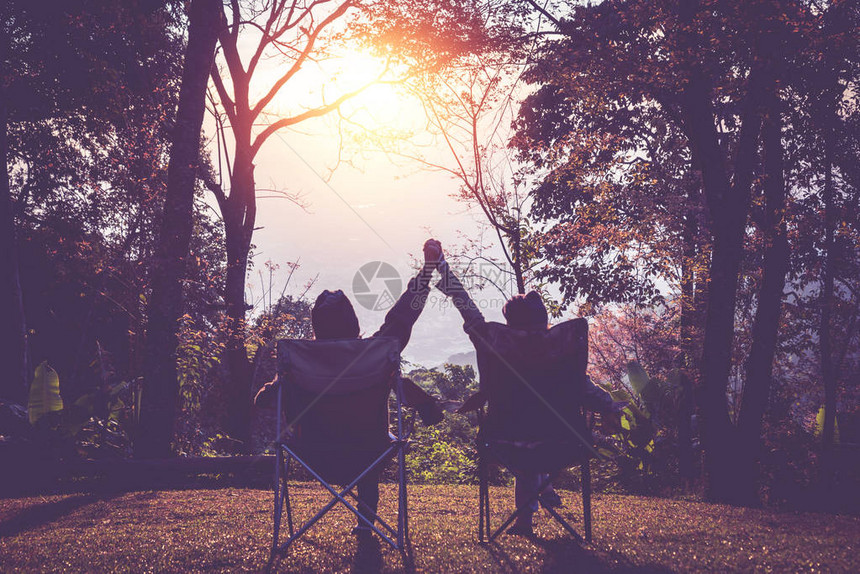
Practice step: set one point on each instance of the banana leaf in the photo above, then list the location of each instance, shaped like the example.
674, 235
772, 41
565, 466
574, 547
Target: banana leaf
637, 376
647, 388
44, 393
819, 426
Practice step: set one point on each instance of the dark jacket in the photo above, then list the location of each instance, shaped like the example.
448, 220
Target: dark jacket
398, 324
535, 380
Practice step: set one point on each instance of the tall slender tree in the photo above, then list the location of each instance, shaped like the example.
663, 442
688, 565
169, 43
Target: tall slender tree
775, 264
13, 352
710, 69
165, 307
294, 34
58, 67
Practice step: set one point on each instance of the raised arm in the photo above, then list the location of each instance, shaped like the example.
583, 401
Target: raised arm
473, 322
402, 316
473, 319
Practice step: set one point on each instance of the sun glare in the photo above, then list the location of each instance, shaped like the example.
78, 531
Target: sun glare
383, 103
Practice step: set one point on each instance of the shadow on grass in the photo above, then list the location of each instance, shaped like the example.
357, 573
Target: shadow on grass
35, 516
568, 555
501, 557
368, 556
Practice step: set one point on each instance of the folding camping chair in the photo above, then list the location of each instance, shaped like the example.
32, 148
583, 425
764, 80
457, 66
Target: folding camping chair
335, 401
533, 420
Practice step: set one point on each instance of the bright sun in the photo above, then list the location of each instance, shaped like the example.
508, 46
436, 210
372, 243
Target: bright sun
382, 103
383, 108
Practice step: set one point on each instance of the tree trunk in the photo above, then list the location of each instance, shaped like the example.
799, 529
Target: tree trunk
728, 205
239, 217
718, 433
759, 366
14, 348
700, 300
160, 392
828, 368
686, 462
275, 30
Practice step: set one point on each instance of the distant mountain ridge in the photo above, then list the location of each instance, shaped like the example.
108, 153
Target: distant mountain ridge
464, 358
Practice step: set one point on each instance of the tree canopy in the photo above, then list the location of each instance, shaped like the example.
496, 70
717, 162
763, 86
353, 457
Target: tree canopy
684, 174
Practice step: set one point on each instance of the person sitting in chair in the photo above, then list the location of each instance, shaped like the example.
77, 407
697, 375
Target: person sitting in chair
525, 313
333, 317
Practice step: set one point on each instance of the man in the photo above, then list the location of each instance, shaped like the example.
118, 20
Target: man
333, 317
526, 314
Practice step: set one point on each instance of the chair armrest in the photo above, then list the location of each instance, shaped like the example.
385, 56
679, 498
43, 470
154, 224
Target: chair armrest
473, 403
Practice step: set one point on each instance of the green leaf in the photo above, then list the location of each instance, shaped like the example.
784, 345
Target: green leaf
44, 393
639, 379
620, 395
819, 426
647, 388
118, 388
87, 402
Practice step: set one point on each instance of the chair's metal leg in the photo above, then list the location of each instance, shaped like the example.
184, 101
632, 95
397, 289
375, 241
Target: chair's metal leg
480, 511
586, 497
554, 513
362, 506
278, 505
564, 523
287, 494
280, 481
402, 519
480, 495
483, 498
402, 510
484, 450
487, 508
339, 497
520, 510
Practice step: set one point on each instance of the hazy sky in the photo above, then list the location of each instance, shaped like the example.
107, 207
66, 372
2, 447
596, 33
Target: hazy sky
380, 213
372, 211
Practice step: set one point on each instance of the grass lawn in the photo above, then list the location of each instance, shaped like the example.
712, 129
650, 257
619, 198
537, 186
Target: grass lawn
230, 530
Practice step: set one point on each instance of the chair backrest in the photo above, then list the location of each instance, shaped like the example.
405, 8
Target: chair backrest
335, 392
534, 381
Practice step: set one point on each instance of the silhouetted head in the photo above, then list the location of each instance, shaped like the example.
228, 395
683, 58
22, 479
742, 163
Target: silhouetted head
526, 312
333, 316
